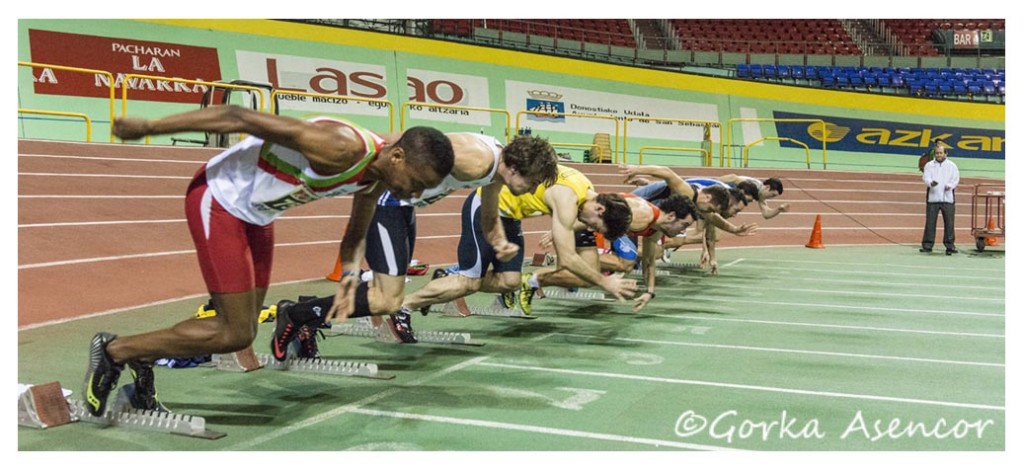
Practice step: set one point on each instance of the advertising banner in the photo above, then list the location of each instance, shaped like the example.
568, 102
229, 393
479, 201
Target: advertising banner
882, 137
121, 57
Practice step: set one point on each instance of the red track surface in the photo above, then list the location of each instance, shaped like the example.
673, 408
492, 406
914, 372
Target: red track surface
82, 251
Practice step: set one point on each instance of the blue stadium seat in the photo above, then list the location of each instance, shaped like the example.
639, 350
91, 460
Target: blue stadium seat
959, 88
784, 71
743, 71
797, 72
770, 71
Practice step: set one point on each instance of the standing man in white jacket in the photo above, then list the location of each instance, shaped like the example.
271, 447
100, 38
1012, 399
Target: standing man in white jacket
941, 177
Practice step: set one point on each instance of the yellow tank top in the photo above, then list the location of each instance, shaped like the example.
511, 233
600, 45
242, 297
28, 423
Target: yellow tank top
533, 205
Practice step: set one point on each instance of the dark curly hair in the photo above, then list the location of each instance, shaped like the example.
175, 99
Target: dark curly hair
679, 205
617, 215
533, 157
749, 188
719, 197
427, 147
774, 184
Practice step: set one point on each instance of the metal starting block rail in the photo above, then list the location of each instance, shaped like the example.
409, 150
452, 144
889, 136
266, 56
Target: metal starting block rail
121, 414
380, 333
452, 309
560, 293
229, 362
677, 265
657, 272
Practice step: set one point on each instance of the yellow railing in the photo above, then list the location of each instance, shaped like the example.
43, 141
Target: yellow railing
110, 83
706, 157
88, 122
127, 78
824, 134
625, 136
746, 149
615, 149
593, 147
342, 98
408, 105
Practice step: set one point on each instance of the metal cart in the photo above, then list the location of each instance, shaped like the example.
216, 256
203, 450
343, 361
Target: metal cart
988, 214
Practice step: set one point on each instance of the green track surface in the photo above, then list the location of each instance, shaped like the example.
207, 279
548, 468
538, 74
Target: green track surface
788, 349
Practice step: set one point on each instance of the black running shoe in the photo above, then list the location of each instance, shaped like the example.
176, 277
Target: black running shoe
438, 274
101, 375
306, 337
400, 323
143, 395
284, 331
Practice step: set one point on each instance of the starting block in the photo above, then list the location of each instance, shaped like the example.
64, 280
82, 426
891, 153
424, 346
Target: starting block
241, 361
677, 265
495, 310
121, 414
543, 259
381, 333
229, 362
657, 272
43, 406
560, 293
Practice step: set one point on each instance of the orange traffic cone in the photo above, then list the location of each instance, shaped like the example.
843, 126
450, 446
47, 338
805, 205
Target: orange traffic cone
815, 241
336, 274
991, 241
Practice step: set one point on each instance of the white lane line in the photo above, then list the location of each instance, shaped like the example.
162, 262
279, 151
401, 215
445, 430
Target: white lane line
116, 159
355, 406
168, 221
104, 258
101, 196
792, 351
751, 290
759, 388
204, 295
737, 261
537, 429
103, 222
190, 252
880, 273
827, 325
94, 175
340, 410
887, 266
910, 285
840, 306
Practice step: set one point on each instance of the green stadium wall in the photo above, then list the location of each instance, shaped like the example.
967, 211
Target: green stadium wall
863, 131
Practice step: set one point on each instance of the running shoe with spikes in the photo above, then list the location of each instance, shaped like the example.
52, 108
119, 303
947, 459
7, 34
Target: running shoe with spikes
526, 292
143, 393
400, 324
508, 299
306, 337
101, 375
284, 331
